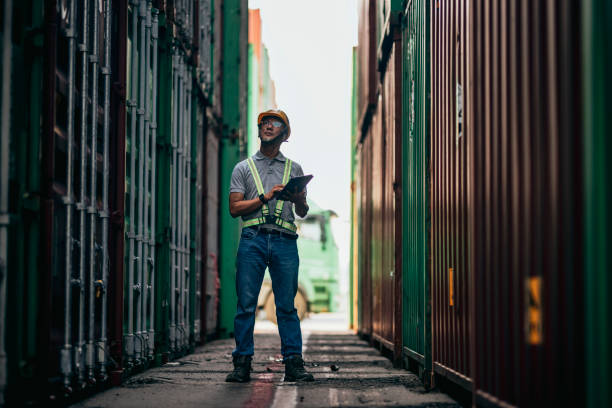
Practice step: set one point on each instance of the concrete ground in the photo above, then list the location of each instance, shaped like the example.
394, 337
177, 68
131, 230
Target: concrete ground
348, 373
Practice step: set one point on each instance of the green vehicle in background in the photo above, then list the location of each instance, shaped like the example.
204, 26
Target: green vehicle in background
319, 267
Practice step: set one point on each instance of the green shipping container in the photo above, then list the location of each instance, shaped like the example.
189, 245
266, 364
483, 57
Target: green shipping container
141, 184
388, 13
416, 210
20, 202
597, 56
233, 149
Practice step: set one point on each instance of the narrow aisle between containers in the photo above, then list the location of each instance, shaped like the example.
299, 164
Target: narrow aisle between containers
348, 372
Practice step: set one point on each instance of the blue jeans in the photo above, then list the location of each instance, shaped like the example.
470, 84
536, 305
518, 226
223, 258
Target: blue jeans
279, 253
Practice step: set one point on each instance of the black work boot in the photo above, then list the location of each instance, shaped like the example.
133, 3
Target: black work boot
242, 369
294, 370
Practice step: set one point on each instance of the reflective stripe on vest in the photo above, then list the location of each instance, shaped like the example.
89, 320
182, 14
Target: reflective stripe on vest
265, 210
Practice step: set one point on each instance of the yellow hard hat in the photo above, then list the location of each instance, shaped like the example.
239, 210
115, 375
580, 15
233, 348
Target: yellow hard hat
277, 113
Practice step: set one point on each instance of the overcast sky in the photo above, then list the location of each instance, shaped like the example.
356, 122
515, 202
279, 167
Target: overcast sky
310, 44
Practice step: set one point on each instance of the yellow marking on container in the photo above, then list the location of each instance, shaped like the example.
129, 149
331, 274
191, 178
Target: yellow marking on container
534, 311
451, 294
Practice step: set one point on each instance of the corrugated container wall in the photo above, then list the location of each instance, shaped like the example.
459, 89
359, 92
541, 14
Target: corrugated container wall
391, 167
22, 339
212, 137
450, 273
499, 189
114, 199
525, 174
388, 13
597, 111
232, 149
416, 250
376, 238
379, 128
139, 299
365, 234
366, 59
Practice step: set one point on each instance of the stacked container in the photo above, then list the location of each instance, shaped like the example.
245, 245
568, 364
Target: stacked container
20, 186
597, 57
139, 333
379, 127
416, 211
233, 145
526, 209
501, 181
109, 233
450, 273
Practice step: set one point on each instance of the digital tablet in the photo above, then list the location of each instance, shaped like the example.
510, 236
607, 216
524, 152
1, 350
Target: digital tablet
299, 182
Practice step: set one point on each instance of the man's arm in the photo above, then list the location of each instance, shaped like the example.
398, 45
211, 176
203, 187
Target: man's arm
239, 206
301, 207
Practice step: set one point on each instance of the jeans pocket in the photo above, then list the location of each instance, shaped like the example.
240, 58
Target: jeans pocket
248, 233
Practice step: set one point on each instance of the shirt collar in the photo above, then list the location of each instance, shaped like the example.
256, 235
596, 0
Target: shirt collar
260, 156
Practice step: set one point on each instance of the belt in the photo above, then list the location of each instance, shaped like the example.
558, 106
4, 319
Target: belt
263, 230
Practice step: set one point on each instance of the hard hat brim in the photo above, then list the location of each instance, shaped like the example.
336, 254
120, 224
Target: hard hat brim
275, 115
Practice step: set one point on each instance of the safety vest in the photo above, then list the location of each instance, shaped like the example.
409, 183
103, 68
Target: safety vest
265, 210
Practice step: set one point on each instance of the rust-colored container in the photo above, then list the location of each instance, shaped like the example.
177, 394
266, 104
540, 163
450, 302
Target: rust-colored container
450, 272
366, 58
376, 237
117, 194
387, 172
523, 116
379, 129
72, 91
365, 234
210, 252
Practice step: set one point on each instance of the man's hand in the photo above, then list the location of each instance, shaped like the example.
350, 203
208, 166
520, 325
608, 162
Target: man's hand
275, 190
239, 206
294, 196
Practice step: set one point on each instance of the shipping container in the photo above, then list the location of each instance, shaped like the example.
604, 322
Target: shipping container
523, 116
22, 67
76, 243
233, 145
495, 169
366, 57
112, 192
596, 111
208, 27
211, 226
379, 128
392, 180
141, 184
416, 212
388, 15
450, 272
365, 234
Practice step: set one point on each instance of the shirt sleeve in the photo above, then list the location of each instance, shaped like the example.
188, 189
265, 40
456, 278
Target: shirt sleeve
237, 184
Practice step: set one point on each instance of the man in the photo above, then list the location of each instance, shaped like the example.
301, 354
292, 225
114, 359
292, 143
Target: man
268, 239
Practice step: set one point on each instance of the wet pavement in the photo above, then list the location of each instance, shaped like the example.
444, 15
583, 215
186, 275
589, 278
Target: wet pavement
348, 373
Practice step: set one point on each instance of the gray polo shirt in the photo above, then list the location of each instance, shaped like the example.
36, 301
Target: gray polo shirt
271, 173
